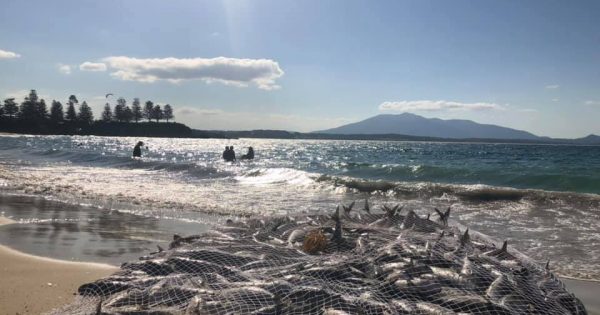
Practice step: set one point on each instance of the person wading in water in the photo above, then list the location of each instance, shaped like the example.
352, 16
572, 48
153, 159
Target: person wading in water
229, 154
249, 155
137, 150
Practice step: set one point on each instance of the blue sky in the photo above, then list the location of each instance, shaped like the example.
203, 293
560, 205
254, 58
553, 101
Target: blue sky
308, 65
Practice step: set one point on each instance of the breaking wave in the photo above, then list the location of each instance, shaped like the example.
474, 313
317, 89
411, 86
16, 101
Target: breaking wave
471, 193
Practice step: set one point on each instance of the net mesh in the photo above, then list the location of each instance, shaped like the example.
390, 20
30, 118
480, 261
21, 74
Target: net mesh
353, 261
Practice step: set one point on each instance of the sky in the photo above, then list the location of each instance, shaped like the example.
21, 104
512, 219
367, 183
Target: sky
311, 65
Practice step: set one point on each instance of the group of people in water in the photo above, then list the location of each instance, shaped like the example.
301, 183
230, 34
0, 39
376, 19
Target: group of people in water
228, 154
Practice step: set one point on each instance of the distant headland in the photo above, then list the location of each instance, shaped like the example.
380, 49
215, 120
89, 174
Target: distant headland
153, 120
148, 120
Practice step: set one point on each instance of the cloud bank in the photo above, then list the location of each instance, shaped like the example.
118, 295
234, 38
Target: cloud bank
64, 69
427, 105
261, 73
198, 111
4, 54
92, 66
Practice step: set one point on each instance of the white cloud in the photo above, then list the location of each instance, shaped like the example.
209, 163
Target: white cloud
92, 66
4, 54
592, 102
198, 111
64, 69
230, 71
215, 34
555, 99
552, 86
427, 105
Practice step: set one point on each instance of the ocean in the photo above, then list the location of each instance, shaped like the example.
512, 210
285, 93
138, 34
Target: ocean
544, 199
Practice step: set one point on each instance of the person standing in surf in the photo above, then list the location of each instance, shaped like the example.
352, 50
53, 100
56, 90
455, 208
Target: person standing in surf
137, 150
229, 154
249, 155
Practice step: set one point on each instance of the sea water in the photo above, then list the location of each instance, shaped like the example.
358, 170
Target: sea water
545, 199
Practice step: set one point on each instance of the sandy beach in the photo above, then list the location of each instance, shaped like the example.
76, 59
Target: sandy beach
4, 221
35, 285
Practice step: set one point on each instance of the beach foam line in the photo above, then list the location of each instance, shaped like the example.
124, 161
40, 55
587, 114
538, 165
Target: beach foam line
34, 285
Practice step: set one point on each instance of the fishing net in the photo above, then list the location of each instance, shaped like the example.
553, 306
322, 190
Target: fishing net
388, 261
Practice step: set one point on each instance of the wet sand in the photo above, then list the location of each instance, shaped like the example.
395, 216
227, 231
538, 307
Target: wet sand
587, 291
72, 235
78, 233
35, 285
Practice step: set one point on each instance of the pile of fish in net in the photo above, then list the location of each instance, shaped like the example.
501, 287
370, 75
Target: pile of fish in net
348, 262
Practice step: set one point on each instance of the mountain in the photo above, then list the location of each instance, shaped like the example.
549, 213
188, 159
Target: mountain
415, 125
591, 139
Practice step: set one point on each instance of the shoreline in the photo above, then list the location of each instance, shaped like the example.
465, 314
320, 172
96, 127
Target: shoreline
35, 285
31, 284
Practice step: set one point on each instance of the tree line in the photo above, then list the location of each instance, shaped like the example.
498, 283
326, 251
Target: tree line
34, 111
123, 113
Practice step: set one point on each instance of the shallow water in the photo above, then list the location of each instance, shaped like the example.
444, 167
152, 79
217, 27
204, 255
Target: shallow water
544, 199
78, 233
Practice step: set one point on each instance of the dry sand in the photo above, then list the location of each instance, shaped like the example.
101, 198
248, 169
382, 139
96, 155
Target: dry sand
35, 285
4, 220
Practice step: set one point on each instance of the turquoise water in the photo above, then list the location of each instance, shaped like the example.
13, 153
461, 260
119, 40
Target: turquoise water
544, 199
545, 167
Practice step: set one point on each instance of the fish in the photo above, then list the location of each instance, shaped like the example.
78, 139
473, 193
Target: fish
296, 236
102, 288
501, 253
215, 256
348, 209
443, 216
150, 267
370, 263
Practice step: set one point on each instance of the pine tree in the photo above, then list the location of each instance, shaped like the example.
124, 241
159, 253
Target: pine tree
127, 114
118, 112
85, 114
33, 97
148, 110
136, 110
28, 109
41, 111
168, 112
107, 113
120, 109
71, 112
57, 114
157, 113
10, 108
73, 99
